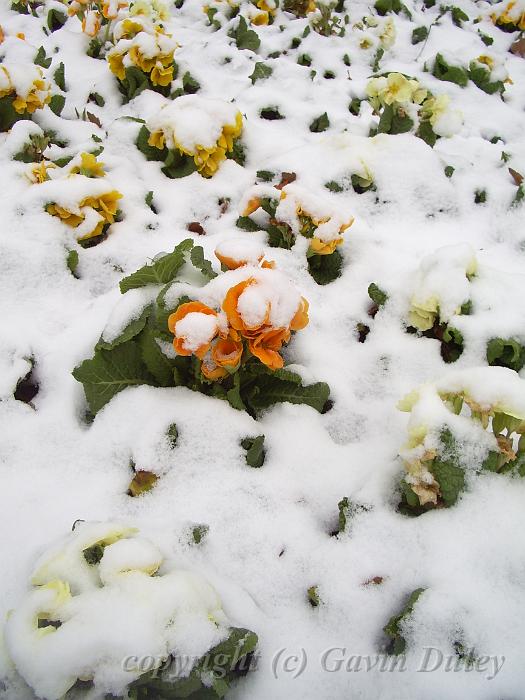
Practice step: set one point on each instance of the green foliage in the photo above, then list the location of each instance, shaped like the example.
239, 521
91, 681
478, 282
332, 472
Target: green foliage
255, 452
93, 554
59, 77
394, 627
132, 329
265, 175
449, 171
506, 352
260, 72
111, 371
481, 75
270, 113
72, 262
326, 23
312, 595
199, 261
161, 271
247, 224
325, 268
304, 60
134, 83
377, 59
451, 344
480, 196
383, 7
452, 74
198, 533
419, 34
41, 59
55, 19
320, 124
426, 132
245, 38
189, 84
394, 120
486, 39
210, 678
57, 103
458, 16
377, 295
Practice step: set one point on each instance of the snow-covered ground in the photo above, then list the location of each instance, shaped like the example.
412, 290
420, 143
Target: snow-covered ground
270, 528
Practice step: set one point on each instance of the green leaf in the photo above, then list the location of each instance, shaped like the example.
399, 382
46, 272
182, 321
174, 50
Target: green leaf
451, 479
198, 533
394, 627
265, 175
273, 390
255, 452
97, 99
56, 104
72, 262
449, 171
199, 261
320, 124
333, 186
486, 39
325, 268
355, 106
233, 395
55, 19
426, 133
260, 72
304, 60
150, 152
480, 196
142, 482
247, 224
189, 84
458, 16
452, 74
270, 113
133, 328
419, 34
313, 596
246, 38
519, 196
178, 165
344, 508
59, 76
506, 352
377, 59
41, 59
237, 153
157, 363
134, 83
111, 371
377, 295
172, 435
94, 554
161, 271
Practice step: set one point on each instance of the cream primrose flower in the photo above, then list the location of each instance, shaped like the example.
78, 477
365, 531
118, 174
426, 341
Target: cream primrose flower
114, 607
495, 393
441, 286
387, 36
154, 9
444, 121
200, 127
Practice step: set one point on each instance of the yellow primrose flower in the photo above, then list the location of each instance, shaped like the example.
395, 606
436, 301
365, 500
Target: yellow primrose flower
161, 75
105, 204
156, 140
486, 60
89, 166
423, 315
38, 172
5, 82
137, 57
116, 64
319, 247
37, 97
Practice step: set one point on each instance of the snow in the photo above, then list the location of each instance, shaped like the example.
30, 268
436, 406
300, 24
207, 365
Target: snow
269, 528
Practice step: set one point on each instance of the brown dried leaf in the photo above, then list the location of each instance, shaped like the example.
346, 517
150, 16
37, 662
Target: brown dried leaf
375, 581
518, 47
286, 179
195, 227
94, 119
516, 176
142, 482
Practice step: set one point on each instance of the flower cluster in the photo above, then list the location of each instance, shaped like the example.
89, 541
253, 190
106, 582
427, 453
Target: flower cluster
23, 89
92, 211
94, 14
403, 103
463, 404
298, 212
441, 288
511, 17
99, 584
143, 45
252, 311
201, 131
375, 32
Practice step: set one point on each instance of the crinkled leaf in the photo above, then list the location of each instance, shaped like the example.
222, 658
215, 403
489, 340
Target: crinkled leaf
246, 38
394, 627
199, 261
142, 482
377, 295
161, 271
260, 72
158, 364
59, 77
452, 74
57, 103
325, 268
255, 452
111, 371
132, 329
41, 59
506, 352
320, 124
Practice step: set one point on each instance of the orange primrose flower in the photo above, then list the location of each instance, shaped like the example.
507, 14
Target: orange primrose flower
179, 342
